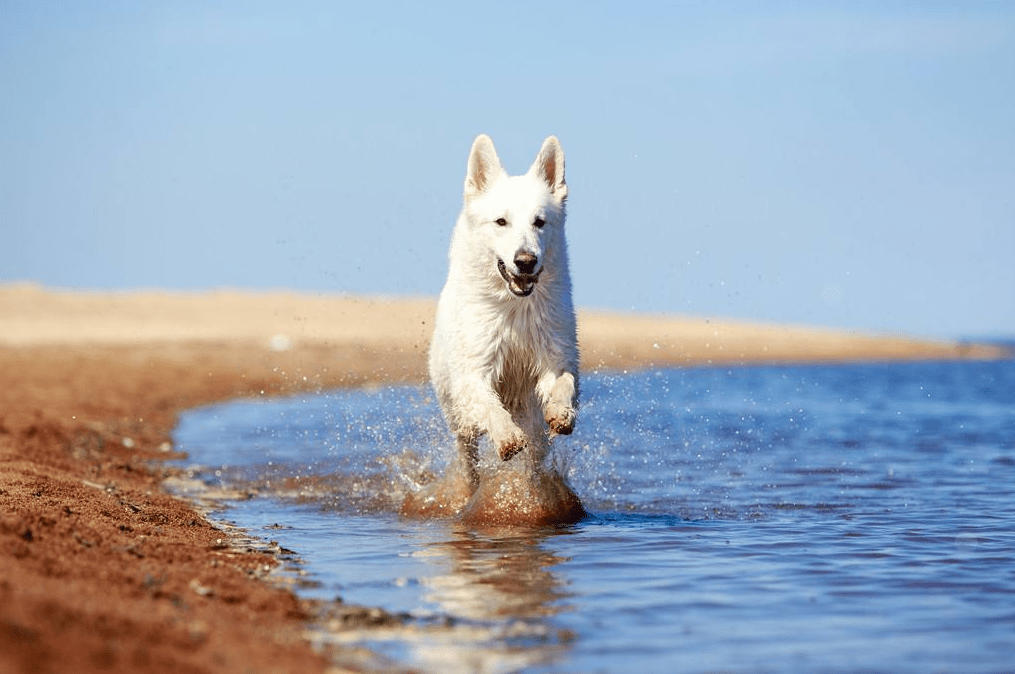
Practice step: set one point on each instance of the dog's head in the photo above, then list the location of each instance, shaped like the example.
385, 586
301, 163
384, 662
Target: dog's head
520, 219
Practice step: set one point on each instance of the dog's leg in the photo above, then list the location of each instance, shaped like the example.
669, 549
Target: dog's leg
468, 455
558, 396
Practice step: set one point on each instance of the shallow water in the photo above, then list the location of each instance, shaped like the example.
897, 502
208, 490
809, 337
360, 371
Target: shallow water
759, 519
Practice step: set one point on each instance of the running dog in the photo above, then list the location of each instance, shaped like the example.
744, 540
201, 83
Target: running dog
504, 354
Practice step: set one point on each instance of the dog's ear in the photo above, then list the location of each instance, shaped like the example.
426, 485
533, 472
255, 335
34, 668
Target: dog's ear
484, 165
549, 166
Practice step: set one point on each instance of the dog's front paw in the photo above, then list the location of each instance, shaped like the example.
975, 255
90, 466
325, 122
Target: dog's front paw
507, 437
562, 423
510, 446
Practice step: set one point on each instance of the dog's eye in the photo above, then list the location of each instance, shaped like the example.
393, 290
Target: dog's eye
538, 223
501, 221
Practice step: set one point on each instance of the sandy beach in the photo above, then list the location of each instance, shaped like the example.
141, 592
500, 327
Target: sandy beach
102, 570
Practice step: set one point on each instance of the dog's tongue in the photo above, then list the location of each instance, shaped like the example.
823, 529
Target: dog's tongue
522, 287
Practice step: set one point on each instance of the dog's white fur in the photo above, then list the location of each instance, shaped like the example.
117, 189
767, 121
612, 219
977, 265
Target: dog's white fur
504, 354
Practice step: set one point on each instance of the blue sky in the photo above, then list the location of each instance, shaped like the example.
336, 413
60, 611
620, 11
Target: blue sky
847, 165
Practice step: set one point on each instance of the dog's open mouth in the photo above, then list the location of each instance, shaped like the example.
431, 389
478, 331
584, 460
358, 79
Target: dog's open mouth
519, 284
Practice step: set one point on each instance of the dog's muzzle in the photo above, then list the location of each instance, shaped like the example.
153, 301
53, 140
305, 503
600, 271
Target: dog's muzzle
519, 284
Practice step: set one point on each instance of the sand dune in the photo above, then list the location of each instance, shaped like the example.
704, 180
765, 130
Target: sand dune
30, 315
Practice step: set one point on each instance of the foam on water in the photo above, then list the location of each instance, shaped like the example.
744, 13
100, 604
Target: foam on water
758, 519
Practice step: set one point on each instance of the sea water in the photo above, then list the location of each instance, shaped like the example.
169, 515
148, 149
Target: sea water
851, 518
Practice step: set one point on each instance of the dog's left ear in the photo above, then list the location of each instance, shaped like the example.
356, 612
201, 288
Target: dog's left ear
549, 166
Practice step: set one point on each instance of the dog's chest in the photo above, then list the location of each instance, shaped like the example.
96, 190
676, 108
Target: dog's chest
524, 343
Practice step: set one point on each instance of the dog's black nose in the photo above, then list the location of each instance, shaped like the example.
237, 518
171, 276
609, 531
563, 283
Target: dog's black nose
525, 262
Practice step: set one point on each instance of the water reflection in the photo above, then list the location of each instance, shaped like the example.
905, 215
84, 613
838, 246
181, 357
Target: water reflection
501, 587
492, 574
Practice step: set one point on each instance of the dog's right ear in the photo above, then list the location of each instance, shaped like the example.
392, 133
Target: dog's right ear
484, 166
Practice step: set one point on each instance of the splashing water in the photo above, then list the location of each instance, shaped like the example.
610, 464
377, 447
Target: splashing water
756, 519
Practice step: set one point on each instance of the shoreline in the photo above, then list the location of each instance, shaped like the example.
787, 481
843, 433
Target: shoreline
101, 569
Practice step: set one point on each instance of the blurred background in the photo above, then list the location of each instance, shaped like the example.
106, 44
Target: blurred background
846, 165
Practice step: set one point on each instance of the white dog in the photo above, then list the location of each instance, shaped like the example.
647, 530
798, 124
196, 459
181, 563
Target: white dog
504, 355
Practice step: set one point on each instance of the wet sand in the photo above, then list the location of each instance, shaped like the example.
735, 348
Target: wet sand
102, 570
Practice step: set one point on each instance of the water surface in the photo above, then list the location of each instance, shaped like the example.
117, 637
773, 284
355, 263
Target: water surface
759, 519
